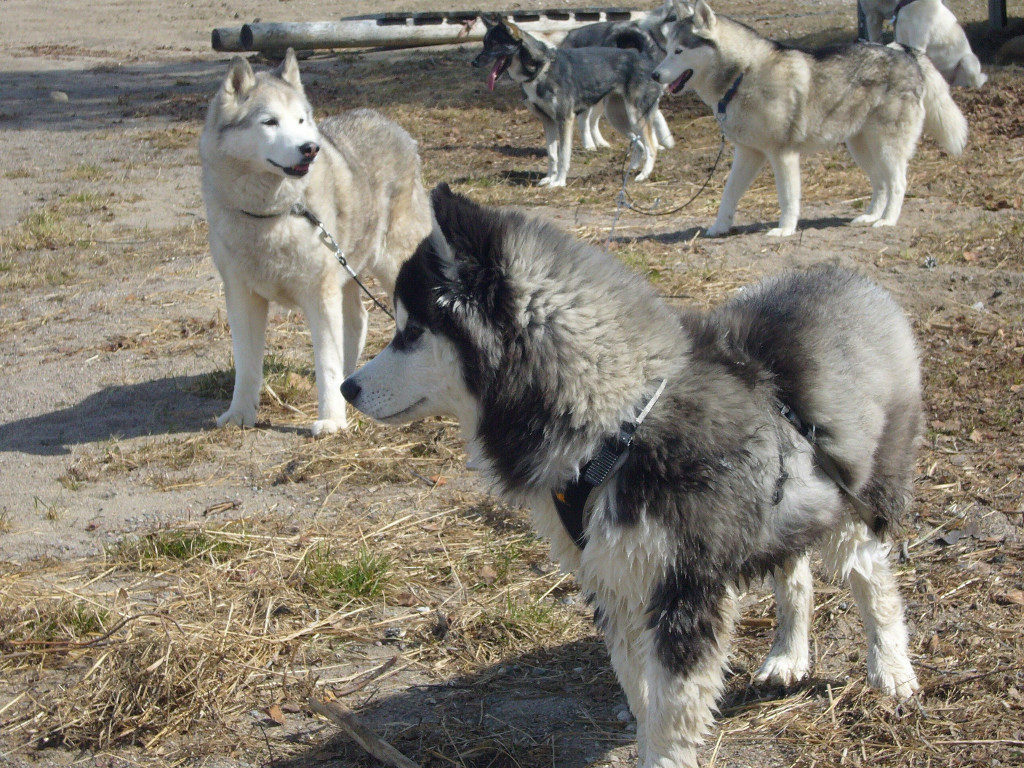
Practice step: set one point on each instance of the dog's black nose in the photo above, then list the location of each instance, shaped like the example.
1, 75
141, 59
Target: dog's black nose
309, 150
350, 390
655, 76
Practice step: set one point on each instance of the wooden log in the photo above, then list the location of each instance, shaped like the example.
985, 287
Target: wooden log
227, 39
403, 30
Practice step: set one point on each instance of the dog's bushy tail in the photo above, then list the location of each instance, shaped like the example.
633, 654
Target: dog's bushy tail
943, 120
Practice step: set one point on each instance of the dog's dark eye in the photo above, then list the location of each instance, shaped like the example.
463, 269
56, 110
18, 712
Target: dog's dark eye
271, 121
407, 336
302, 120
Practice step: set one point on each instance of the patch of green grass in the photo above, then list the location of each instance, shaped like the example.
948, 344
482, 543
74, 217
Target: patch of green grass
68, 622
147, 552
87, 172
18, 173
363, 576
50, 511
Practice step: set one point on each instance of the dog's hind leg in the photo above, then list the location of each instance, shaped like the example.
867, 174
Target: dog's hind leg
788, 661
786, 167
856, 554
353, 319
685, 674
747, 162
650, 142
247, 319
596, 113
661, 129
863, 153
583, 120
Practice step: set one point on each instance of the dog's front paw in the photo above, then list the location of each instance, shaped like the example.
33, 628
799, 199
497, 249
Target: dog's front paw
782, 669
717, 230
556, 183
900, 683
602, 142
239, 417
323, 427
545, 181
885, 223
781, 231
864, 219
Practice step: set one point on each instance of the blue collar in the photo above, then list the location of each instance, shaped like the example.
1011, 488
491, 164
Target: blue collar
724, 103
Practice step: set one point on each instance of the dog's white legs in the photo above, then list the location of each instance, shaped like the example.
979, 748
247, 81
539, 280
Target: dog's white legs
551, 145
863, 154
353, 318
596, 113
857, 555
564, 152
746, 164
786, 167
895, 169
624, 638
247, 318
968, 73
661, 130
680, 706
788, 661
326, 328
590, 129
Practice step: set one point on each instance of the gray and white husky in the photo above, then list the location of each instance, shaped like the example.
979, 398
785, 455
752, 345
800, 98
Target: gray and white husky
262, 153
545, 349
644, 35
561, 83
775, 103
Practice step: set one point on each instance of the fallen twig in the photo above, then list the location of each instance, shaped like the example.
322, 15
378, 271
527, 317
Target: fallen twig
359, 733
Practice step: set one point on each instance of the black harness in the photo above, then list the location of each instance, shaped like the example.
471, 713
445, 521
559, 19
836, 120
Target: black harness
899, 7
575, 501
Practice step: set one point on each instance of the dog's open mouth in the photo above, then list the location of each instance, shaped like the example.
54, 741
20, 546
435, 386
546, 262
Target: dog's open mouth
677, 85
298, 170
500, 65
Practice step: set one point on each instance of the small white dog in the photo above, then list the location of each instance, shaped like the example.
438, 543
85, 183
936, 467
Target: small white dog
929, 26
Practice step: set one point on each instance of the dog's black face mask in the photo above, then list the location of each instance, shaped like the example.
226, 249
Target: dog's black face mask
499, 46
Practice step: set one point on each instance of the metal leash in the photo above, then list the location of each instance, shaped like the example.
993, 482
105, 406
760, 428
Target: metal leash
300, 209
637, 153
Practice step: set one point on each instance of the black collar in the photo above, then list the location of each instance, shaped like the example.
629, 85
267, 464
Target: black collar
729, 94
899, 7
575, 501
289, 209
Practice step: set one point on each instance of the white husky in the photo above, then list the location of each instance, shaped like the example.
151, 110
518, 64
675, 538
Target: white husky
359, 173
929, 26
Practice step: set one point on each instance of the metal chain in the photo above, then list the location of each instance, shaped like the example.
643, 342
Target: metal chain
638, 153
300, 209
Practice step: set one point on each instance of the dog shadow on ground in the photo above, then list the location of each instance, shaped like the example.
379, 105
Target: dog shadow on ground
161, 406
688, 234
559, 705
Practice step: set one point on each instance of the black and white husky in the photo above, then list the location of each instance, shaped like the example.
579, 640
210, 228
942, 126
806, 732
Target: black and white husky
547, 349
560, 84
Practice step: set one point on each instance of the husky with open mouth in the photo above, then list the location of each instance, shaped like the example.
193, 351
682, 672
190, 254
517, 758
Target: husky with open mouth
560, 84
668, 458
775, 103
359, 173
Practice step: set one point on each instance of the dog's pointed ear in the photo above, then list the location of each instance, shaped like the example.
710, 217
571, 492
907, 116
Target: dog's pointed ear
288, 69
704, 18
240, 78
513, 28
682, 9
490, 20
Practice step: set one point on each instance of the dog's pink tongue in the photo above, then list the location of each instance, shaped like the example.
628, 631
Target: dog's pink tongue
495, 71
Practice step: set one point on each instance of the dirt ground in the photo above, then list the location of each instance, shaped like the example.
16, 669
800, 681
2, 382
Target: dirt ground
170, 593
